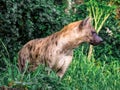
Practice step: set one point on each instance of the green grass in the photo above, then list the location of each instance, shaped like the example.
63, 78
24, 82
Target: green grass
92, 75
81, 75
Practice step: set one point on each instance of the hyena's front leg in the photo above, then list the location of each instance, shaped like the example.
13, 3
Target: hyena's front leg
62, 70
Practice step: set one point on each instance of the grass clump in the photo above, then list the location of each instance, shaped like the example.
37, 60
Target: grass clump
81, 75
11, 77
92, 75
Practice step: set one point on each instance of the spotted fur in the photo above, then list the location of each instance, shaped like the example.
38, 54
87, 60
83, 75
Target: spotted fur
56, 50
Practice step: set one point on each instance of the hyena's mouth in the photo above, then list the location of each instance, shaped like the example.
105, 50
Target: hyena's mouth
94, 43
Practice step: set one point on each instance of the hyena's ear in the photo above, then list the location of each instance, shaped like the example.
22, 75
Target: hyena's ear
86, 22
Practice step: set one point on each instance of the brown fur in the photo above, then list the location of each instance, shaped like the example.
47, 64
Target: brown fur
56, 50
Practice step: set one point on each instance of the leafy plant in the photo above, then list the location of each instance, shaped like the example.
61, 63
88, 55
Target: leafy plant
100, 13
81, 74
11, 77
94, 75
23, 20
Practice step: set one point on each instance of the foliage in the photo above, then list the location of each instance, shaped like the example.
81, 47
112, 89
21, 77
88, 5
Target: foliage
23, 20
100, 13
82, 74
11, 77
92, 75
111, 36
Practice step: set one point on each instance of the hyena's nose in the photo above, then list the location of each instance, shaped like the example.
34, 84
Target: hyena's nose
96, 41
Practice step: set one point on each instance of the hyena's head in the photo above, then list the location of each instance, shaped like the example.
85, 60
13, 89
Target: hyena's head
88, 32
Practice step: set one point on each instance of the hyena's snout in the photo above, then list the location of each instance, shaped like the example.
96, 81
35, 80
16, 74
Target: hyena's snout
96, 39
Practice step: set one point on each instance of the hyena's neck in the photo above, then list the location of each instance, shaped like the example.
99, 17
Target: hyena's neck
69, 44
67, 39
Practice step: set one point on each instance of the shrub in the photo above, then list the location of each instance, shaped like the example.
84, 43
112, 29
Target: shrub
12, 78
111, 37
81, 75
23, 20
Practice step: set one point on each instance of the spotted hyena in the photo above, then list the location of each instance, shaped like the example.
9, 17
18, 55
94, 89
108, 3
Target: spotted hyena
56, 50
